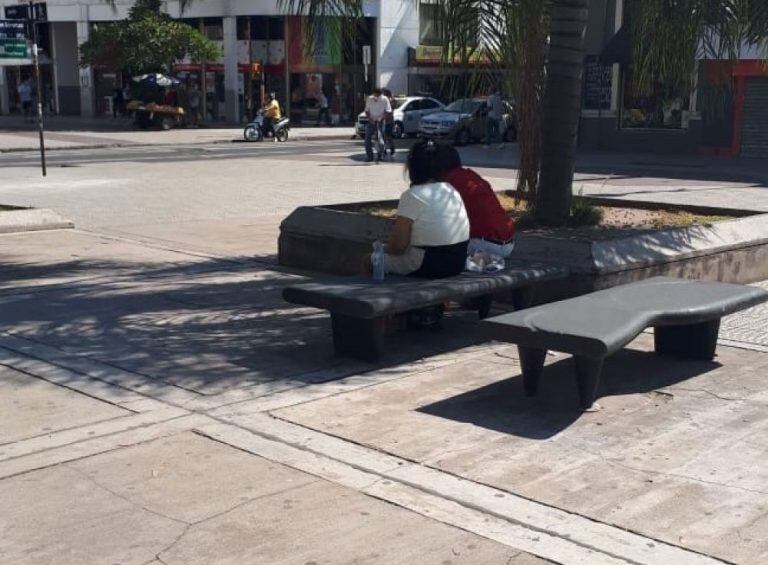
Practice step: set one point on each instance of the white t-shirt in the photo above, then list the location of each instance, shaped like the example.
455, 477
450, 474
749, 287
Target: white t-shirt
377, 108
25, 92
494, 107
438, 214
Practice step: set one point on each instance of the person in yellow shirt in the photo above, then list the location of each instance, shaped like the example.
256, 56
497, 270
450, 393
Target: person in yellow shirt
272, 114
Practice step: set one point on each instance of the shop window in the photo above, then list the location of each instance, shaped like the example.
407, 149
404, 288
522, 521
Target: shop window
352, 51
430, 18
659, 107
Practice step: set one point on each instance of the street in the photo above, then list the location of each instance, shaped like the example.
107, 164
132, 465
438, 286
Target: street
161, 403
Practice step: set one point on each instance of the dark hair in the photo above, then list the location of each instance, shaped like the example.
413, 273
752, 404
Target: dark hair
376, 91
447, 159
386, 92
424, 162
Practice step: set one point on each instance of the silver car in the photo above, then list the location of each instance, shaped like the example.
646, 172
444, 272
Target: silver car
408, 112
464, 121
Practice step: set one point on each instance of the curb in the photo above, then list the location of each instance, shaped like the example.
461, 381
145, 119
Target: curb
32, 219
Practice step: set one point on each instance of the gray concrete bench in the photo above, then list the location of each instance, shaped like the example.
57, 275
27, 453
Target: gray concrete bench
685, 315
359, 306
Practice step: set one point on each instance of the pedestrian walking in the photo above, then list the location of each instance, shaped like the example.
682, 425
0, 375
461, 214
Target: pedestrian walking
193, 99
182, 100
118, 102
376, 108
389, 124
25, 97
323, 115
493, 123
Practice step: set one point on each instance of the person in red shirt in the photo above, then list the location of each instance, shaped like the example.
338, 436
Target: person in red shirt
490, 228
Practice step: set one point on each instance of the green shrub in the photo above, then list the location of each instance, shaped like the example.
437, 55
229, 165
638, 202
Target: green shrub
583, 213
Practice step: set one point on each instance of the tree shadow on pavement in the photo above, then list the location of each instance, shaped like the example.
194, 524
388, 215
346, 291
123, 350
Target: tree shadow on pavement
503, 406
207, 326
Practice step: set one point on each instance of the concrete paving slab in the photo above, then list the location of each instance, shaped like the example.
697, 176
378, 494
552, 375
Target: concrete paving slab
180, 476
676, 461
33, 407
322, 523
168, 500
33, 260
58, 515
245, 239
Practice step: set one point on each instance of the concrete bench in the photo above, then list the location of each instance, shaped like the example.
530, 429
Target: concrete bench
359, 306
685, 315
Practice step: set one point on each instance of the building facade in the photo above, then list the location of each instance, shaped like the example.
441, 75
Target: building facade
724, 112
262, 51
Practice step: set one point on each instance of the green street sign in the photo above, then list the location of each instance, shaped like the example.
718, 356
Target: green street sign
13, 49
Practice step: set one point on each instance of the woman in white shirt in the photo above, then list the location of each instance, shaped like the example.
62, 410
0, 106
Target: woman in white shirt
431, 231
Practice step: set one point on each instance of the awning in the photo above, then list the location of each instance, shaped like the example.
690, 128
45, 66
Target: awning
619, 48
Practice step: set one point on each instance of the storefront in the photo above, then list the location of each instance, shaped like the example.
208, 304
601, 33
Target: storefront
617, 114
15, 74
735, 108
430, 75
329, 70
256, 59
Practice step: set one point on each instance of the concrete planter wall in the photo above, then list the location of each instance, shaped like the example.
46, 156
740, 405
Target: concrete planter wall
333, 240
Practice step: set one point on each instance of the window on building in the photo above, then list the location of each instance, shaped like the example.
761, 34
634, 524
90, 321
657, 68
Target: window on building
213, 29
659, 107
267, 28
430, 18
243, 32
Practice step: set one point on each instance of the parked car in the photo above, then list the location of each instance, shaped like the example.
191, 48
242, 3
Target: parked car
408, 111
463, 121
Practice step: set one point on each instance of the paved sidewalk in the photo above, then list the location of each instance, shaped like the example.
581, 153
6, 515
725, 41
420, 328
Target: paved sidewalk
162, 407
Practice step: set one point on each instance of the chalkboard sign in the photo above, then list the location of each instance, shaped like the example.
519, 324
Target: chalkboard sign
597, 84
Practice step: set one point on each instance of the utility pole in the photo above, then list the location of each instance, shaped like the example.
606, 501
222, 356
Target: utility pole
33, 24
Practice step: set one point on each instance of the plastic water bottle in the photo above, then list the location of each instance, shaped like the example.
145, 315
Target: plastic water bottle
377, 260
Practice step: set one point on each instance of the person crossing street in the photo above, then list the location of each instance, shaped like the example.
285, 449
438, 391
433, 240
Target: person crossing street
376, 109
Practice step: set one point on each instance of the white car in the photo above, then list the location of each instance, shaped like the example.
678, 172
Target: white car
408, 112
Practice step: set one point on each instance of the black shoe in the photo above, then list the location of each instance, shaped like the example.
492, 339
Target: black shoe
369, 159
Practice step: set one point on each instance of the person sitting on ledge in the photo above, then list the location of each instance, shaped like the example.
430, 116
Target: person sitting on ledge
431, 230
491, 230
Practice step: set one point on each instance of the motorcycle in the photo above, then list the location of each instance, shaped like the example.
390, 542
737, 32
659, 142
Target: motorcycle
255, 130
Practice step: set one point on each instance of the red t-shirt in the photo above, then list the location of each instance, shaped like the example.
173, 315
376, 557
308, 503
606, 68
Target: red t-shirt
487, 219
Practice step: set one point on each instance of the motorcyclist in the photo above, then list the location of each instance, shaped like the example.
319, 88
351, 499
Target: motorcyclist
272, 114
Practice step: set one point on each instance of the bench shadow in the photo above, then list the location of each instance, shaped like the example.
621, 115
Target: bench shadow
503, 406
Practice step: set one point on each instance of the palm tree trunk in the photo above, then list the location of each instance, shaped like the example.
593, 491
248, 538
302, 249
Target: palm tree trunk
561, 112
529, 109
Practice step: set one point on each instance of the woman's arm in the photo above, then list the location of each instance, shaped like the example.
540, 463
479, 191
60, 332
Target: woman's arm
400, 237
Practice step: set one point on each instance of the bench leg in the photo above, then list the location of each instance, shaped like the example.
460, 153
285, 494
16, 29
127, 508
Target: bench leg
587, 378
483, 305
522, 297
694, 341
532, 364
357, 337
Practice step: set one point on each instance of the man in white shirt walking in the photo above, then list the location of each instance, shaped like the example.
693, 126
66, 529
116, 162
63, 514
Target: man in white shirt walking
322, 115
493, 125
376, 109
